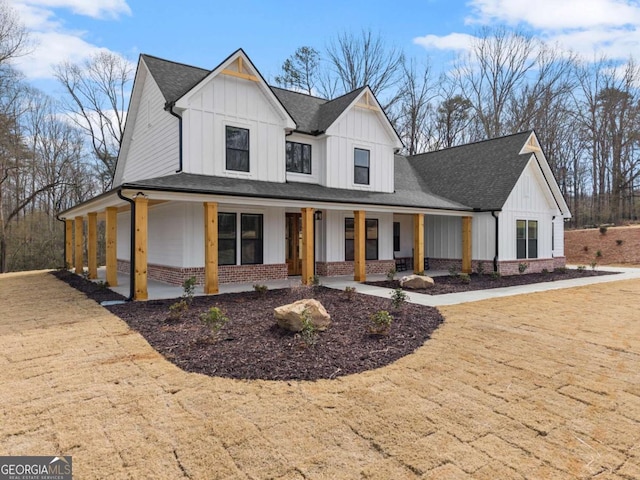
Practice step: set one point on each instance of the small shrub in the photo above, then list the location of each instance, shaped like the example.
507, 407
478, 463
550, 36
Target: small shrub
188, 289
349, 293
260, 289
480, 268
464, 278
603, 229
495, 275
309, 333
215, 319
177, 309
585, 248
581, 268
453, 271
560, 270
102, 285
391, 274
593, 265
598, 253
381, 322
619, 242
398, 298
545, 271
522, 267
315, 281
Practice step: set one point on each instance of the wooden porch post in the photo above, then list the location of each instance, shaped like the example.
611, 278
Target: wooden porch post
92, 244
68, 243
418, 242
359, 246
140, 267
210, 247
307, 245
79, 226
466, 244
111, 228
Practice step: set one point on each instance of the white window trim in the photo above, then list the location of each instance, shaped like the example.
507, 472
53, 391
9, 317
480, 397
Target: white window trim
236, 173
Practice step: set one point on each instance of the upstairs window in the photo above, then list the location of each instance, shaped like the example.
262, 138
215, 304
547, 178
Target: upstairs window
361, 166
298, 157
526, 239
237, 149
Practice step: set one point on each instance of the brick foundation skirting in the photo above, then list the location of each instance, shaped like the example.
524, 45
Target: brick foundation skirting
505, 267
226, 273
332, 269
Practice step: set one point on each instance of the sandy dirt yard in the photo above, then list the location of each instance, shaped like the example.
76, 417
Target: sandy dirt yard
542, 386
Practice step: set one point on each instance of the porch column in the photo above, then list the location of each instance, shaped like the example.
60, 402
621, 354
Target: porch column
466, 244
418, 242
79, 226
68, 243
359, 247
307, 245
140, 267
111, 228
210, 247
92, 244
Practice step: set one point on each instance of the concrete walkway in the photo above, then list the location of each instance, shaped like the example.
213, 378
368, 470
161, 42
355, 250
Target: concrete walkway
538, 386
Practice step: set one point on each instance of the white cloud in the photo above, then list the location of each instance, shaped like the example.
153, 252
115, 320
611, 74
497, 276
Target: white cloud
453, 41
53, 43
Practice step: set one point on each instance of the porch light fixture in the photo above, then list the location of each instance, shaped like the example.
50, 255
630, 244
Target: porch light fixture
318, 215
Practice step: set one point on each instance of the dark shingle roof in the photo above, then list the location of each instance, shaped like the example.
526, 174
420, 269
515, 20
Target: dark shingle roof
480, 175
173, 79
408, 192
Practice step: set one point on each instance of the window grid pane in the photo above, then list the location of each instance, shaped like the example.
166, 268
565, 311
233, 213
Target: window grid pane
226, 238
251, 239
298, 157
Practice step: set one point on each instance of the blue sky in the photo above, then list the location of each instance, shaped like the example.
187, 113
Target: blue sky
204, 32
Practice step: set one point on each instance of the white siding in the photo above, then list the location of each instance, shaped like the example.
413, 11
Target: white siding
359, 128
154, 147
406, 235
167, 226
483, 236
529, 200
334, 225
558, 240
442, 236
227, 100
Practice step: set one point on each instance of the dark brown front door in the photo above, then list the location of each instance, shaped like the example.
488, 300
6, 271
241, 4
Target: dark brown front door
292, 245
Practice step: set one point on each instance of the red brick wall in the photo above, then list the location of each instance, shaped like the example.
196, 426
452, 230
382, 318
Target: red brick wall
331, 269
510, 267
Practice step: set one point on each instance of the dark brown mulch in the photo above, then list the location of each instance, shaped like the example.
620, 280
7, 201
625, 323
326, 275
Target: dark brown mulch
450, 284
252, 346
95, 291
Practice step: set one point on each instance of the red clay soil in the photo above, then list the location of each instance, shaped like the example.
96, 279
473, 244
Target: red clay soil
618, 246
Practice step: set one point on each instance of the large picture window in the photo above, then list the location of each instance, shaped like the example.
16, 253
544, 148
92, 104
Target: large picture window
227, 238
371, 239
251, 238
298, 157
361, 166
237, 149
526, 239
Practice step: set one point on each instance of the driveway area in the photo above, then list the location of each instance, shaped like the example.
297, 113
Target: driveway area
538, 386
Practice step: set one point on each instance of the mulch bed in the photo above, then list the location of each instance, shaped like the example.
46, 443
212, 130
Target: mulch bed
95, 291
252, 346
451, 284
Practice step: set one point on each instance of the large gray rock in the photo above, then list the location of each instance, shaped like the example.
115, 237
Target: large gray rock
290, 316
416, 282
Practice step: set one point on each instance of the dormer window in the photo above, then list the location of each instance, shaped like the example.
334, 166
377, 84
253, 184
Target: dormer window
298, 158
237, 149
361, 166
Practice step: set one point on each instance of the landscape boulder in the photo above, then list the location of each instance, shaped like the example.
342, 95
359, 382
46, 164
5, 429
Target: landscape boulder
290, 316
416, 282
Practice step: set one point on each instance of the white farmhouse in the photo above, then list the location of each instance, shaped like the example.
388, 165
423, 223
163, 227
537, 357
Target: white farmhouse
223, 177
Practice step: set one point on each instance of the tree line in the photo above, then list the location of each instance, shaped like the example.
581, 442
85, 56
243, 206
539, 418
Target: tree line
55, 153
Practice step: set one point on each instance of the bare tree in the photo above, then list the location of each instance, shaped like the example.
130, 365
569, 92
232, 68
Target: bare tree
14, 40
97, 96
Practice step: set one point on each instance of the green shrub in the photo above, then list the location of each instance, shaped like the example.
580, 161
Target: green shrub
581, 268
349, 293
480, 268
315, 281
260, 289
309, 333
215, 319
545, 271
593, 265
603, 229
453, 271
522, 267
381, 322
391, 274
598, 253
560, 270
495, 275
464, 278
398, 298
177, 309
188, 289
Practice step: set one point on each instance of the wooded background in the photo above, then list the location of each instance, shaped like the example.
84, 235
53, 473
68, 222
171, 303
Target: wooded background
55, 153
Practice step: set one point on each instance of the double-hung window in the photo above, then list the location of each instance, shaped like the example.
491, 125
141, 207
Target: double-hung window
226, 238
371, 239
298, 157
251, 239
526, 239
361, 166
237, 142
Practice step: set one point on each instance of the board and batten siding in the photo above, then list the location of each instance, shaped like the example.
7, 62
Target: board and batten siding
443, 236
406, 235
530, 199
334, 228
359, 128
154, 145
226, 100
318, 159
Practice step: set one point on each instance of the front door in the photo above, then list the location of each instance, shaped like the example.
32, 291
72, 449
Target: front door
293, 240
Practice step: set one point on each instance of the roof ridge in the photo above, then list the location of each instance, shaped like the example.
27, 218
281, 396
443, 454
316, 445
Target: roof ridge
299, 93
348, 93
174, 62
469, 144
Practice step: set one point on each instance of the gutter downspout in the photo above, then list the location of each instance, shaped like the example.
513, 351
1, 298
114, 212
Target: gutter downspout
169, 108
64, 240
132, 247
495, 258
